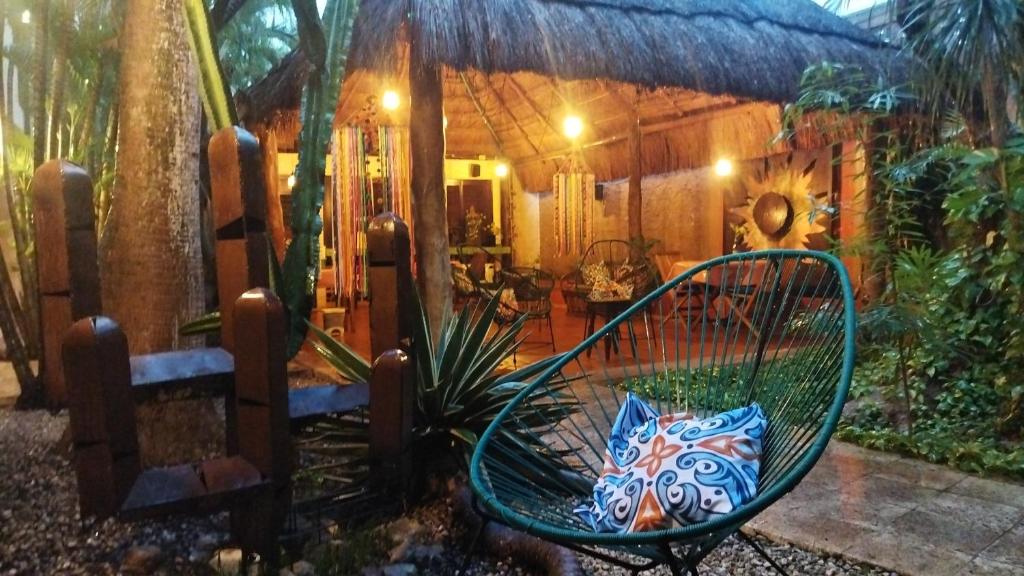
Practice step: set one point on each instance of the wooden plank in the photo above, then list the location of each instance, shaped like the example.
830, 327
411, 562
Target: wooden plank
327, 399
192, 488
201, 372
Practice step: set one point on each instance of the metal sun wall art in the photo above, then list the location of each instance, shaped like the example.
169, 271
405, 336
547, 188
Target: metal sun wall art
781, 209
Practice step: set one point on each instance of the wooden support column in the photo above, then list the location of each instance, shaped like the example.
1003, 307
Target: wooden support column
390, 276
851, 179
102, 410
67, 269
635, 203
433, 267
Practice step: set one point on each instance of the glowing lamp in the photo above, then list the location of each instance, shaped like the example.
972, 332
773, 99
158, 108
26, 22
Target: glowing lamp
291, 181
501, 170
391, 100
26, 17
724, 167
572, 127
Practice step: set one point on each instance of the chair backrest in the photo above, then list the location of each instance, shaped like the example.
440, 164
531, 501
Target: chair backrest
775, 327
615, 260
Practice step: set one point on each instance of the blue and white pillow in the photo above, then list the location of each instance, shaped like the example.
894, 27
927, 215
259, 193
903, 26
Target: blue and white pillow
661, 471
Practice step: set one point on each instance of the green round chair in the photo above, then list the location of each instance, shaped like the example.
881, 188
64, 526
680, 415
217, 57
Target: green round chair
778, 329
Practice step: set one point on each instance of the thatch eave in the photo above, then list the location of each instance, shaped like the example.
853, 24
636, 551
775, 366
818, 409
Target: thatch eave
743, 48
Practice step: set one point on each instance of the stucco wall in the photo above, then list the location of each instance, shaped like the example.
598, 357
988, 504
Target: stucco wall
687, 211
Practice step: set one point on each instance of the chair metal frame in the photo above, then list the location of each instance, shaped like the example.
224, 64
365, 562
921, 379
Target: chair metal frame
532, 288
802, 413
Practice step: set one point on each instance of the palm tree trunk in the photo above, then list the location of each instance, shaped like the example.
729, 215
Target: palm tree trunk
150, 252
40, 65
25, 316
84, 143
62, 13
106, 161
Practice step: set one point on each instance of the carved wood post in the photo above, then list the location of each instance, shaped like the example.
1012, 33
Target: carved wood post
391, 290
67, 268
239, 196
392, 397
240, 218
261, 397
102, 410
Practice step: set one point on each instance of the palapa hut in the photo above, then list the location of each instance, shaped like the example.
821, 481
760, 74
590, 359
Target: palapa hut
660, 91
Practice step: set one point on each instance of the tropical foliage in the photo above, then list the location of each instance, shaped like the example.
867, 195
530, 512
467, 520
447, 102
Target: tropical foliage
941, 339
461, 387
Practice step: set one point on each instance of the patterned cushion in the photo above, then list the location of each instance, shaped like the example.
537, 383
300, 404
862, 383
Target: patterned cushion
675, 469
594, 273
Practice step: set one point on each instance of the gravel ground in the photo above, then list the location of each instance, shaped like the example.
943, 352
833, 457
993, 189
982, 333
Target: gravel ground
40, 529
41, 532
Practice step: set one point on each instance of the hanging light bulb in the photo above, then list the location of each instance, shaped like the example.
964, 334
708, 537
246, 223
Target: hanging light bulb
26, 17
724, 167
501, 170
391, 100
572, 127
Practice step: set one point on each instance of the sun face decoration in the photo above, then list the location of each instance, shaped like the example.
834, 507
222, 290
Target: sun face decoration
781, 210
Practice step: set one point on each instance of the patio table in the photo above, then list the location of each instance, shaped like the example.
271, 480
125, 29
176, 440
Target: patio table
739, 280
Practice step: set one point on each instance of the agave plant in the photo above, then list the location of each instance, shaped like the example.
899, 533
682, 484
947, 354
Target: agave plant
460, 385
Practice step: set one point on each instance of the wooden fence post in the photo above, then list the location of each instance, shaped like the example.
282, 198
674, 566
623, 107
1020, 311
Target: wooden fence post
392, 399
393, 382
240, 219
390, 275
67, 269
102, 409
261, 397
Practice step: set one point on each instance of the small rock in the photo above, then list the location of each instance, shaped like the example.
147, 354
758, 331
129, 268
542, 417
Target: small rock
404, 529
400, 570
207, 542
401, 552
141, 560
424, 554
227, 561
303, 568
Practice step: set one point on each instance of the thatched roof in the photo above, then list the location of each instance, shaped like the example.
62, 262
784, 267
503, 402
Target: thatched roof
753, 49
704, 77
277, 97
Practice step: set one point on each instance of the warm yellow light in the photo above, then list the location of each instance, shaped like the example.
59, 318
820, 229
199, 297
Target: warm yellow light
501, 170
572, 126
391, 100
26, 17
724, 167
291, 181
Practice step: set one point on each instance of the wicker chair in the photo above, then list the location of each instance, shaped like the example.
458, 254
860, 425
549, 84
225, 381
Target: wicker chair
537, 461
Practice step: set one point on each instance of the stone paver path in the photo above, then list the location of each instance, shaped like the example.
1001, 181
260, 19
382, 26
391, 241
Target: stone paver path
903, 515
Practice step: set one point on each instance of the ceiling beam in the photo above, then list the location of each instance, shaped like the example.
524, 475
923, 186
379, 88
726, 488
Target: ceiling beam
483, 113
515, 121
521, 92
645, 129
